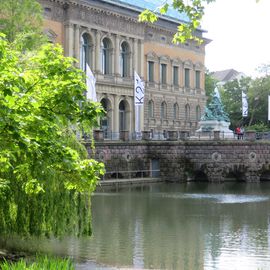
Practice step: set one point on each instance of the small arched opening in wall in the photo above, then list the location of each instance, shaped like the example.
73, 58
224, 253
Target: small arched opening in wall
200, 176
234, 176
265, 176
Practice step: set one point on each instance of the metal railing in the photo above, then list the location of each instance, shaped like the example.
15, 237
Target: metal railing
179, 135
131, 174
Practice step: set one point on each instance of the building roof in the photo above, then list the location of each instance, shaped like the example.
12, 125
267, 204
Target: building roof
152, 5
227, 75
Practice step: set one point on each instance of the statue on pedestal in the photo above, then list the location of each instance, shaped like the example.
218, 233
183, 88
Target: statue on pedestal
215, 118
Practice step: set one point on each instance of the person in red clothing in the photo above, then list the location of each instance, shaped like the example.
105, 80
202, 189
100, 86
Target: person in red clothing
238, 133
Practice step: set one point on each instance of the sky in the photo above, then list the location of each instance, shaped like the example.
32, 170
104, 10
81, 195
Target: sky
240, 34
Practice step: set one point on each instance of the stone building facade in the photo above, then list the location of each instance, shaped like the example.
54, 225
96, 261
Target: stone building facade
107, 35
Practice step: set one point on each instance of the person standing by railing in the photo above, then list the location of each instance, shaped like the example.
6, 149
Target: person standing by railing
238, 133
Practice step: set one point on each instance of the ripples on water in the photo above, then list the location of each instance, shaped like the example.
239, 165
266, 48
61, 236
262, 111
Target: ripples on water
218, 198
185, 227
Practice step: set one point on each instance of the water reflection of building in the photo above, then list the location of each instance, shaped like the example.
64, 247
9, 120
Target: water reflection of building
106, 35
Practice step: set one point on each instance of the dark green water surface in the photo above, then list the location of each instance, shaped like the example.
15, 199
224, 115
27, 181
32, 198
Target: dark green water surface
175, 226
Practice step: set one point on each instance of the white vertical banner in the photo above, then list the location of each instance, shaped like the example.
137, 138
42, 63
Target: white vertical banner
244, 105
268, 108
138, 101
90, 85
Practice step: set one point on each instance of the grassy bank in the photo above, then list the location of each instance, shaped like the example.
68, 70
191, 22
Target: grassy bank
39, 263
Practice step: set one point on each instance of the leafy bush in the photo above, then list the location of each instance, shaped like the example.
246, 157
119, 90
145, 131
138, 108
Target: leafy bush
260, 127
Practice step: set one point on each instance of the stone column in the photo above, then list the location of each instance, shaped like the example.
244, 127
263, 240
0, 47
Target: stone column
69, 39
142, 117
112, 52
135, 55
141, 59
77, 43
97, 52
181, 76
117, 56
115, 125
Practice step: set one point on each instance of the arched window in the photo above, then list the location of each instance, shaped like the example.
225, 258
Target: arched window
163, 110
175, 111
106, 56
151, 109
85, 51
124, 60
122, 116
187, 112
51, 35
198, 113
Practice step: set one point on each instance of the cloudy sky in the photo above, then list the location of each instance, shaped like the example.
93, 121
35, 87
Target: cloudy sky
240, 34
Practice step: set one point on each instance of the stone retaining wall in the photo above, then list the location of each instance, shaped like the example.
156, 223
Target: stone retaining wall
215, 161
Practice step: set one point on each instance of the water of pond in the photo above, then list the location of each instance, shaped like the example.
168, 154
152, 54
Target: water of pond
175, 226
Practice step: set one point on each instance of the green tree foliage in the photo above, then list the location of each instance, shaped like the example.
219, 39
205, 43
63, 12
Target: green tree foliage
210, 84
232, 99
258, 101
194, 9
22, 16
257, 91
43, 168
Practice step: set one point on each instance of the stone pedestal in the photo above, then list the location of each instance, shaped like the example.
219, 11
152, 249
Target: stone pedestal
183, 135
98, 135
146, 135
124, 135
216, 135
215, 125
250, 135
172, 135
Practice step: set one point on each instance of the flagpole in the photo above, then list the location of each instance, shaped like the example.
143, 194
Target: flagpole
138, 103
268, 107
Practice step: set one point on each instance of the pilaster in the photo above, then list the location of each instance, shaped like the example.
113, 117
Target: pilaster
97, 52
115, 125
117, 56
69, 39
135, 55
77, 42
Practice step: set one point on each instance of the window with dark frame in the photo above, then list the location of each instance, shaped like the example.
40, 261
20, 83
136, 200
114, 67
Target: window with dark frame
150, 71
106, 56
124, 60
163, 73
187, 77
198, 79
175, 76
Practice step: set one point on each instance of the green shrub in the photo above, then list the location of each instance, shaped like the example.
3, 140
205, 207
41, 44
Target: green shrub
260, 127
41, 263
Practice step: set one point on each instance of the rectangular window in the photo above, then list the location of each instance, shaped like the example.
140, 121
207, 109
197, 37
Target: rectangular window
163, 73
175, 76
150, 71
187, 77
198, 79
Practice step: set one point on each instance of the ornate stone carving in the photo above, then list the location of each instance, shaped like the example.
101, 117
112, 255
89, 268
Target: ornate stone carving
252, 156
216, 156
99, 18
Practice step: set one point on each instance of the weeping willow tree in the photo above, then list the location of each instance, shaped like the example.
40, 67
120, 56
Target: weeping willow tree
45, 174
